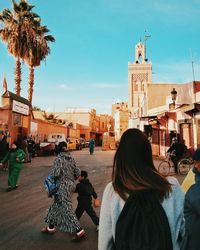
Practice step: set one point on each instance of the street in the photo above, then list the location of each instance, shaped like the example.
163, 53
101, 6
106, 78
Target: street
22, 210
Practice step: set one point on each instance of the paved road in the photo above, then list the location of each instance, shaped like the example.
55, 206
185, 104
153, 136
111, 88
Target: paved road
22, 211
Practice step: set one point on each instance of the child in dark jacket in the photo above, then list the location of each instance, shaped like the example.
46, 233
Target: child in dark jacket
85, 192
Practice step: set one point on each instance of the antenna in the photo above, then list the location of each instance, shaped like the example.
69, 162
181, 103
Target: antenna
146, 36
192, 62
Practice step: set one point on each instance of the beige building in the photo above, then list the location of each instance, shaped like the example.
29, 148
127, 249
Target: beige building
82, 122
121, 115
152, 109
119, 106
121, 123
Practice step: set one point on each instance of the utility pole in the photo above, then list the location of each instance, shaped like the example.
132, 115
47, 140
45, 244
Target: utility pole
192, 62
145, 39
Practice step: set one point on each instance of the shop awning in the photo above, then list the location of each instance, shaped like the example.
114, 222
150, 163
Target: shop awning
193, 109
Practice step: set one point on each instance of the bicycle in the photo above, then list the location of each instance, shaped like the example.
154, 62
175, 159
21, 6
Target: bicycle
184, 165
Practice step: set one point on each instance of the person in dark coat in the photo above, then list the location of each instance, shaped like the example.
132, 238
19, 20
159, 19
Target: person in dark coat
85, 192
30, 143
177, 150
192, 209
4, 147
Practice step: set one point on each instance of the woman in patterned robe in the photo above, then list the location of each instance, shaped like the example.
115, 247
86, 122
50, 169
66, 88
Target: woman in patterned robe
61, 214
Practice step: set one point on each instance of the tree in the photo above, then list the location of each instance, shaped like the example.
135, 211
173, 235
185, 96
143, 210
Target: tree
15, 33
36, 108
37, 52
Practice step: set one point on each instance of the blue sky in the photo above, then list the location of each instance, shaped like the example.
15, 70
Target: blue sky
95, 40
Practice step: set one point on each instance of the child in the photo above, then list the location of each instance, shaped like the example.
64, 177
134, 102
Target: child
85, 192
192, 209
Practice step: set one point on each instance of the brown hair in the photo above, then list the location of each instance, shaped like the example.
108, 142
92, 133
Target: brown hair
133, 167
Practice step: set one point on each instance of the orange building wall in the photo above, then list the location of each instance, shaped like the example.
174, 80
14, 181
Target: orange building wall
45, 128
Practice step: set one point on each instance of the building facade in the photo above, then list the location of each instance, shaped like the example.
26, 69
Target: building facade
15, 115
153, 109
84, 123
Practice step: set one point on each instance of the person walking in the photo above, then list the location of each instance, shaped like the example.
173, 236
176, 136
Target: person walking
91, 146
85, 192
30, 143
192, 209
177, 150
4, 147
15, 157
60, 214
134, 174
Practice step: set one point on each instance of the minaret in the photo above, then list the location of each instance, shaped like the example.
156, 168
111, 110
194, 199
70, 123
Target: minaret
139, 75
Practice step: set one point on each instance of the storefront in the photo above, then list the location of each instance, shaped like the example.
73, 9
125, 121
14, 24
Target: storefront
15, 115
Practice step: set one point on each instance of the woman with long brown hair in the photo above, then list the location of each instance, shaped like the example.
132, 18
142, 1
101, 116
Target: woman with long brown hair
134, 173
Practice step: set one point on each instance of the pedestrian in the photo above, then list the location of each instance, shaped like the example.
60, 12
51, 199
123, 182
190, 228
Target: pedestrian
91, 146
134, 173
15, 157
4, 147
85, 192
30, 143
192, 209
60, 214
22, 142
176, 150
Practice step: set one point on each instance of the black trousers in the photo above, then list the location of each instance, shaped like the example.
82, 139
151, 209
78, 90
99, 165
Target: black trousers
82, 207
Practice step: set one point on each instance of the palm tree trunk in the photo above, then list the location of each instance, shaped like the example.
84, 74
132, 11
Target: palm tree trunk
18, 77
30, 83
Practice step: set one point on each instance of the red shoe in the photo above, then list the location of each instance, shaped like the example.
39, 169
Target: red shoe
48, 230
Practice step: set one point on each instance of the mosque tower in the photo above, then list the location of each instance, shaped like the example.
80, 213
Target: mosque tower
139, 75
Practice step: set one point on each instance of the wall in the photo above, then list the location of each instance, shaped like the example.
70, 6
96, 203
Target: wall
42, 129
159, 95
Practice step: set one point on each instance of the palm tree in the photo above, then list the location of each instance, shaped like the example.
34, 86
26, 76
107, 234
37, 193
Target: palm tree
15, 34
37, 52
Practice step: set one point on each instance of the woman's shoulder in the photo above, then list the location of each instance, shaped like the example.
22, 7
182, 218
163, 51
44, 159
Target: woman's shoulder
108, 189
112, 200
173, 181
177, 194
111, 195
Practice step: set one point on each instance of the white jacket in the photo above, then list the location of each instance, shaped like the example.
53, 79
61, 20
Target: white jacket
112, 206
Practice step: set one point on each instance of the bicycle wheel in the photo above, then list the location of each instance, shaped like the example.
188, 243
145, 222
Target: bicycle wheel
164, 168
184, 166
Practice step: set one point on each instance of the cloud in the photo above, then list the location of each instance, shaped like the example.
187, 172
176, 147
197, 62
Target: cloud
65, 87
